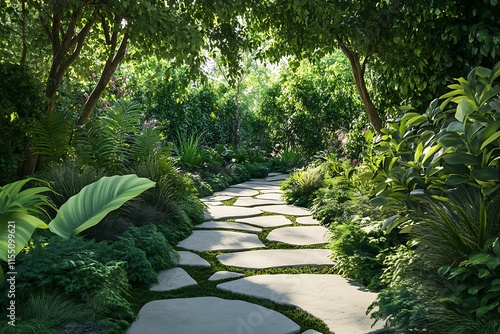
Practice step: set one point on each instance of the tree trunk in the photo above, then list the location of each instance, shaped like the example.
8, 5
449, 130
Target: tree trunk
106, 75
358, 71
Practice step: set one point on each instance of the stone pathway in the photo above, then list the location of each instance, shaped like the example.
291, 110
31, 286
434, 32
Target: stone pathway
234, 230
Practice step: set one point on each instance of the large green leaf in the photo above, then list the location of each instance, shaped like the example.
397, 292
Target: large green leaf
95, 201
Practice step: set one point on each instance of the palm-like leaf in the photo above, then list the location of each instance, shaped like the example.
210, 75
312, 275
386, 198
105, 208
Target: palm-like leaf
51, 137
24, 208
95, 201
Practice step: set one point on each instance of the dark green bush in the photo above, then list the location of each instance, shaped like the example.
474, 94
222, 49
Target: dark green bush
140, 272
158, 251
359, 247
257, 170
73, 267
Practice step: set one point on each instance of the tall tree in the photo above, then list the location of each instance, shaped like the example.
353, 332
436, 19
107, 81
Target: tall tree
312, 28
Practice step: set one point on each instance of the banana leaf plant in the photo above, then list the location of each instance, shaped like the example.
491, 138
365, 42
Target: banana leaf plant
82, 211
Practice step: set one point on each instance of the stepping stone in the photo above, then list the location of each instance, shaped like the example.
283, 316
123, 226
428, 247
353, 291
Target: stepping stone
240, 192
215, 198
286, 210
308, 220
341, 304
213, 203
209, 315
311, 331
271, 196
271, 191
224, 212
171, 279
202, 241
273, 174
275, 258
224, 275
300, 235
191, 259
278, 177
266, 221
249, 202
229, 226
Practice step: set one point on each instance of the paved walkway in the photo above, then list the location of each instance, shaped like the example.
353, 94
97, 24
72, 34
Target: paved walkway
340, 303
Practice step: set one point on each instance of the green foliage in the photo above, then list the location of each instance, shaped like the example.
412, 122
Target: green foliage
53, 308
72, 266
306, 107
188, 150
24, 208
477, 282
158, 252
139, 270
67, 179
22, 105
51, 137
95, 201
359, 247
440, 149
299, 188
330, 204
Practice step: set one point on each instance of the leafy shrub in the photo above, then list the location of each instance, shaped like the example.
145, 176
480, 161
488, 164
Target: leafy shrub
330, 204
158, 251
298, 189
73, 267
139, 269
257, 170
358, 250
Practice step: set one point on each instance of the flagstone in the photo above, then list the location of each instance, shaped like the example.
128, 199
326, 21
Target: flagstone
202, 241
228, 226
209, 315
286, 210
308, 220
220, 275
224, 212
191, 259
270, 196
340, 303
276, 258
171, 279
240, 192
216, 198
266, 221
278, 177
300, 235
251, 202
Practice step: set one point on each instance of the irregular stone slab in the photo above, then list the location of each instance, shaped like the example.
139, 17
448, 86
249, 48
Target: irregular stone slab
311, 331
209, 315
341, 304
215, 198
276, 258
171, 279
202, 241
250, 202
213, 203
278, 177
273, 174
271, 191
224, 212
237, 192
286, 210
224, 275
229, 226
191, 259
308, 220
271, 196
266, 221
300, 235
